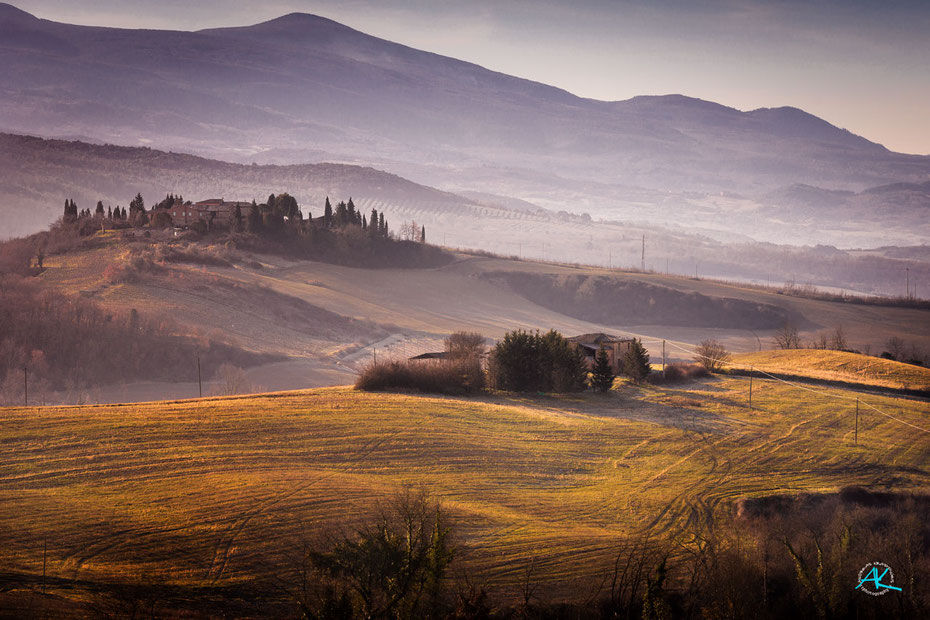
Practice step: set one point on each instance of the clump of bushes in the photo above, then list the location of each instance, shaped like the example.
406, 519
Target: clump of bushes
451, 376
680, 371
534, 362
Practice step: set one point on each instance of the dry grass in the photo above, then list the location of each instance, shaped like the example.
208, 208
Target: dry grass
220, 491
839, 366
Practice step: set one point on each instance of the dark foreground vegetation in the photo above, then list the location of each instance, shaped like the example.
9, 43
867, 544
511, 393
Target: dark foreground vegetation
776, 557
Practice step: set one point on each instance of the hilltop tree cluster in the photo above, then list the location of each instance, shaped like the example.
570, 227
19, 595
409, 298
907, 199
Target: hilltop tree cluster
280, 215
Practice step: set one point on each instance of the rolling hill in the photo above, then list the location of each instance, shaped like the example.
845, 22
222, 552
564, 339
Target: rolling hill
205, 504
329, 319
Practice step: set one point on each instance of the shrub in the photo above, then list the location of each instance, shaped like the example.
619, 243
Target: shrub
442, 377
395, 565
679, 372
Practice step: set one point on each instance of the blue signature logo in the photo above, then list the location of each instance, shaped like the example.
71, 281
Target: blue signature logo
875, 579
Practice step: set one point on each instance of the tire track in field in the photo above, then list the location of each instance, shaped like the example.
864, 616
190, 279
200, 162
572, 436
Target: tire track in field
673, 511
706, 500
223, 550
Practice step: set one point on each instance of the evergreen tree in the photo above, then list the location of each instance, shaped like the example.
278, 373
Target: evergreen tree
327, 214
350, 211
563, 365
237, 217
636, 361
109, 212
525, 362
364, 223
373, 223
602, 378
271, 202
287, 206
423, 234
254, 223
99, 212
382, 227
137, 204
341, 218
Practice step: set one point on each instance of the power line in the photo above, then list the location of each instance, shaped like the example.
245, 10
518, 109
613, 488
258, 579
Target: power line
810, 389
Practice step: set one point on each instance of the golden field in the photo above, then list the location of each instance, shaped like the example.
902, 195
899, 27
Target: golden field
223, 491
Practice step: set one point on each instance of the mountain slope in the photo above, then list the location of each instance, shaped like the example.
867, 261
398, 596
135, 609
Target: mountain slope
305, 82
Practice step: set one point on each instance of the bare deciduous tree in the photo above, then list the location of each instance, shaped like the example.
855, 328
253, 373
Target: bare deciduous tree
393, 566
465, 345
787, 337
896, 348
410, 231
712, 355
838, 339
229, 380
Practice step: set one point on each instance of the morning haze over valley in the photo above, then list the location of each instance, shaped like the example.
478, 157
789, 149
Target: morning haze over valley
501, 310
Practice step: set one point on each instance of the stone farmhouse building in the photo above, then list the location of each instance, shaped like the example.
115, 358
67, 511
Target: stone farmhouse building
590, 344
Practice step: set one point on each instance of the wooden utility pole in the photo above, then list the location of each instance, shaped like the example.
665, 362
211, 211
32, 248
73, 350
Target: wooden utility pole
199, 378
664, 363
750, 387
857, 421
25, 386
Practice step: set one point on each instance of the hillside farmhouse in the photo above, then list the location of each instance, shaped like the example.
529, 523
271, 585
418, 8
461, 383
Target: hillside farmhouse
212, 211
590, 344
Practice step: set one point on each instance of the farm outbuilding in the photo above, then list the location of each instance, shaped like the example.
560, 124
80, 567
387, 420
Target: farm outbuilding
590, 344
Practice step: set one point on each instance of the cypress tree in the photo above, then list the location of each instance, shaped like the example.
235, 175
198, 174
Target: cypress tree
382, 227
373, 223
327, 214
364, 223
423, 234
109, 212
602, 378
99, 212
254, 223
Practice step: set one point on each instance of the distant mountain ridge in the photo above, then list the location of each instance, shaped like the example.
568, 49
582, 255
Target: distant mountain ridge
305, 82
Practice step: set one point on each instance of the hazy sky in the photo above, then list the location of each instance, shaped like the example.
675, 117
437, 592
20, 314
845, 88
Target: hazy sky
861, 65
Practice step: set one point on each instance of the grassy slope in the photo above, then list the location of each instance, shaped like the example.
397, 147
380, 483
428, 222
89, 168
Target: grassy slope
219, 491
436, 302
839, 366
